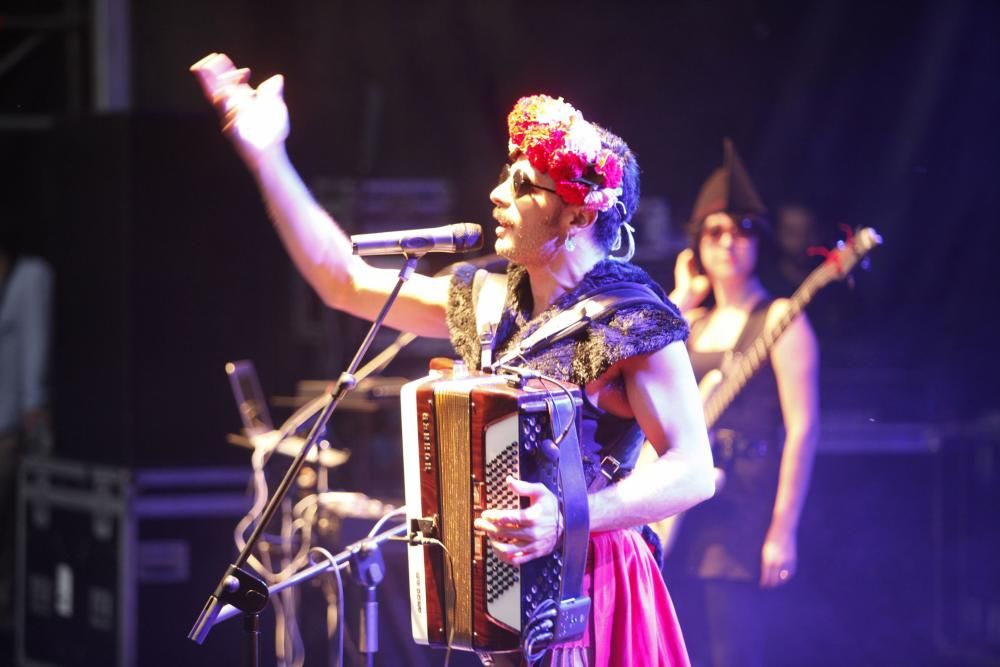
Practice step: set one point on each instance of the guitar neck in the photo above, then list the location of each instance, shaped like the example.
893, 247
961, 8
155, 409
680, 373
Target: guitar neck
753, 358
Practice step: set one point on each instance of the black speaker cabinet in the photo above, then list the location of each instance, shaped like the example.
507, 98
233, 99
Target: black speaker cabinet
113, 566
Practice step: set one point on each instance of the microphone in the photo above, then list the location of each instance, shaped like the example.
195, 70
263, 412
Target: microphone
460, 237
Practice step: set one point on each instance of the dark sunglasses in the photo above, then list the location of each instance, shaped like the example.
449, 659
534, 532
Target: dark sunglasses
745, 228
522, 184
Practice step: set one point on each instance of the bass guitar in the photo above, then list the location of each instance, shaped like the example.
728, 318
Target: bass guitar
720, 387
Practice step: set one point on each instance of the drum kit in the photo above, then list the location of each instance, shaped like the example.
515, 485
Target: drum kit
314, 519
372, 395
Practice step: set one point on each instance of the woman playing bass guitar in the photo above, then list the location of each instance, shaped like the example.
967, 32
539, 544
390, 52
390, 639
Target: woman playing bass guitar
744, 539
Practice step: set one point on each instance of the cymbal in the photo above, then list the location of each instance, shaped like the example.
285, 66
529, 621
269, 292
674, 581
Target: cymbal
291, 446
369, 396
353, 505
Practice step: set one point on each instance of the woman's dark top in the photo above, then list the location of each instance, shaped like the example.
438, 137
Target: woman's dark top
722, 537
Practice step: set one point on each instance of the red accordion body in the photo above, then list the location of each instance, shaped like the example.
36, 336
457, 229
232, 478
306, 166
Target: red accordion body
462, 435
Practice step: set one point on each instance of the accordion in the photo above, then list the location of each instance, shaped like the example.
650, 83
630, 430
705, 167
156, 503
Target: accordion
463, 434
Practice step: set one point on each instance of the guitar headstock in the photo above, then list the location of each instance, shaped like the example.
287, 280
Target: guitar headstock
849, 252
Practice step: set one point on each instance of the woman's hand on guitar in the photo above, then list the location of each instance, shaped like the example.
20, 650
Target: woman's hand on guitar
255, 120
518, 536
690, 285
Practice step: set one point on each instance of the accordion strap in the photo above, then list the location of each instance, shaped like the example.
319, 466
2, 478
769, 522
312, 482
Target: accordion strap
580, 315
573, 606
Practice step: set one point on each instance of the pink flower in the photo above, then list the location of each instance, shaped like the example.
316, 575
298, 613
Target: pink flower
600, 200
609, 166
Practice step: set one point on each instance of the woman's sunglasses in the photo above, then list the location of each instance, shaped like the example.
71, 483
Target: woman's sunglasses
745, 228
522, 184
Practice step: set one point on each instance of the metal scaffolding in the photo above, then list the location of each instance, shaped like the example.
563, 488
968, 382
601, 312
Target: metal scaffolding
80, 47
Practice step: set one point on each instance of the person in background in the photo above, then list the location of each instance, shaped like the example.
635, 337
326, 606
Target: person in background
729, 551
796, 230
25, 426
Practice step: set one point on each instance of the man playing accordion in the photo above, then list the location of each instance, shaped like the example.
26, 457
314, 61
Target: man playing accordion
562, 208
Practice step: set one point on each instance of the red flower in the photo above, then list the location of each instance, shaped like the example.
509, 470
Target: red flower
572, 193
566, 166
538, 156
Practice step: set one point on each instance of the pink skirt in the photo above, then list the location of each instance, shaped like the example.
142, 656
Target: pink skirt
632, 620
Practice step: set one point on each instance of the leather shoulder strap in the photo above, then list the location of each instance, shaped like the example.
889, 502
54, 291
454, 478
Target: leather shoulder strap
489, 293
574, 604
581, 314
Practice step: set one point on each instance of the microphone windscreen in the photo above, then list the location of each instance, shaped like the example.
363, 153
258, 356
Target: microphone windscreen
468, 236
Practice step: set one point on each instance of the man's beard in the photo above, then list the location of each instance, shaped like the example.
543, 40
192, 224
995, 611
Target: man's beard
531, 244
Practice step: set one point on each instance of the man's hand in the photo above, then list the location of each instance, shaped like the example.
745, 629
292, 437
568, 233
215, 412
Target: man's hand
256, 120
518, 536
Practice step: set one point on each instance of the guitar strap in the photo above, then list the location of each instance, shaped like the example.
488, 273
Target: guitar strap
754, 325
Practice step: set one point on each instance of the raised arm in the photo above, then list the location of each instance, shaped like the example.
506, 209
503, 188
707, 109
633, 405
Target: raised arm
256, 122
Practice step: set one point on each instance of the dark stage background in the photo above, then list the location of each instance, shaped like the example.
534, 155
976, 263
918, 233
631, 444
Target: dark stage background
872, 114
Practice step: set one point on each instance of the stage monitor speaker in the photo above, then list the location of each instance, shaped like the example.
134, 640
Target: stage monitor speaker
967, 619
113, 565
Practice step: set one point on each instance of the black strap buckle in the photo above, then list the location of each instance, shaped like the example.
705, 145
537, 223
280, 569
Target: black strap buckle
610, 467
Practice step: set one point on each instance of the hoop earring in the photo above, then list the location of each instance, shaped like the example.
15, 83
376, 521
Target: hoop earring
626, 230
620, 205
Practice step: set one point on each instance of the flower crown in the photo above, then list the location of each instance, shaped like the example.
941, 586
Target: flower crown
557, 141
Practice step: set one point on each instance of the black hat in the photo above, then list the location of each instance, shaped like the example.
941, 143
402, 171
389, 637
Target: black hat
729, 189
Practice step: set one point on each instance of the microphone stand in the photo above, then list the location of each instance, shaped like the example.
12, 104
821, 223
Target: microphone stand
242, 589
367, 568
342, 559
